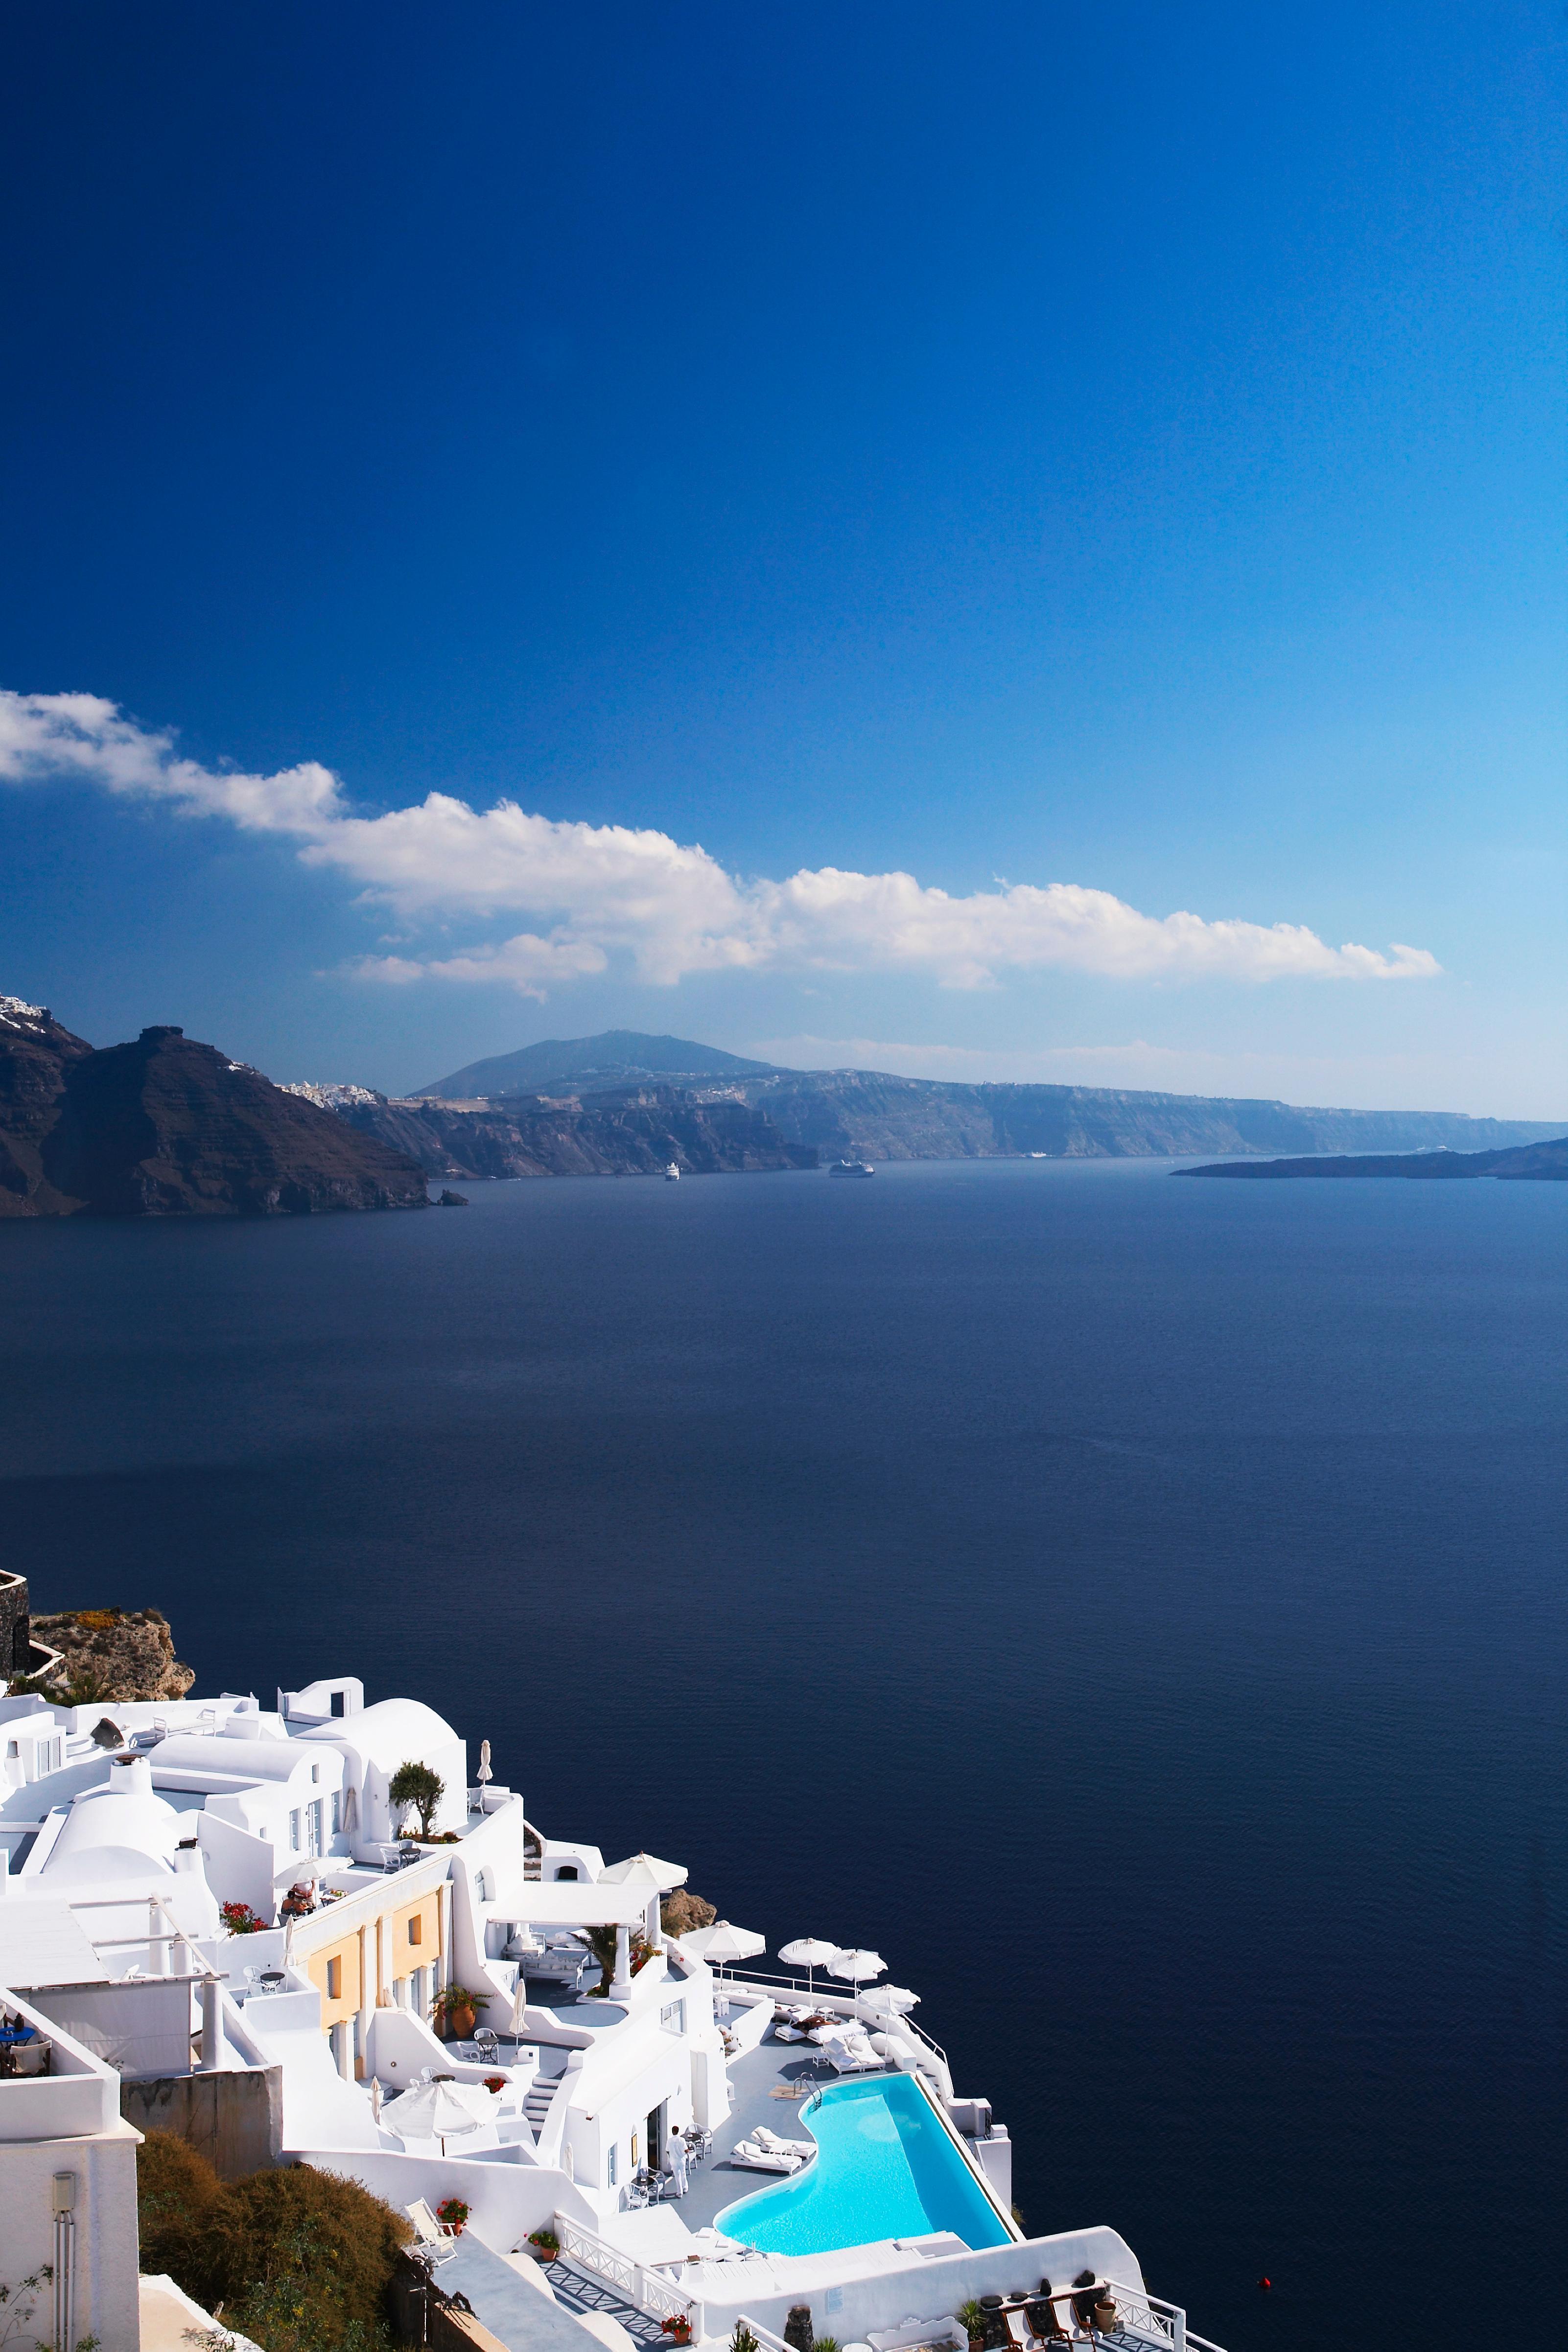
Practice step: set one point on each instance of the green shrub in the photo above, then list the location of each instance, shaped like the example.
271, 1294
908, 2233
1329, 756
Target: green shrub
299, 2260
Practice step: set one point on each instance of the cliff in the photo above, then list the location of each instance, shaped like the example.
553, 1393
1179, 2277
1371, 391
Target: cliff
873, 1114
167, 1126
637, 1135
1539, 1162
112, 1653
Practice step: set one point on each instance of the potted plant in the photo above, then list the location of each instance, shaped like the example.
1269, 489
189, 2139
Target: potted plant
455, 2010
545, 2243
495, 2082
971, 2319
452, 2213
678, 2328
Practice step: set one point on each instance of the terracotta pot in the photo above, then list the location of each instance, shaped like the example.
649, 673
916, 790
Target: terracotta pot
460, 2023
439, 2023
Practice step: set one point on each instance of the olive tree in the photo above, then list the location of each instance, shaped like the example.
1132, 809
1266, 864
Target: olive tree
416, 1784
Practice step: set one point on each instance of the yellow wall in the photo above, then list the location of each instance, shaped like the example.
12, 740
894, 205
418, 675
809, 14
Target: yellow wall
403, 1955
348, 2001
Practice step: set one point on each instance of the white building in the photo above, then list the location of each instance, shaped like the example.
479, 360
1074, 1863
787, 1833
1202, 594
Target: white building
628, 2119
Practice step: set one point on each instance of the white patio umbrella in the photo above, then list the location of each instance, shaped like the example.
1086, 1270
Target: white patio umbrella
721, 1945
432, 2112
810, 1953
644, 1869
893, 1998
484, 1775
856, 1967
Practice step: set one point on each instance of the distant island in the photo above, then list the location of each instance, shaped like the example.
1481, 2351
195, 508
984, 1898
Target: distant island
607, 1104
167, 1126
1541, 1161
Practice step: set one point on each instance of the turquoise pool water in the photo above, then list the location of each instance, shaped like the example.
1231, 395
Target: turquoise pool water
884, 2168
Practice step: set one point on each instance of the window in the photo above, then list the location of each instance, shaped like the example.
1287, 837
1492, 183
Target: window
337, 1812
567, 1870
334, 1979
293, 1832
611, 2169
315, 1771
634, 2157
672, 2017
338, 1698
416, 1929
315, 1817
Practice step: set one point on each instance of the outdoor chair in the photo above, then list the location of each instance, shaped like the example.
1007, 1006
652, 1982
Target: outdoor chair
753, 2158
803, 2148
437, 2242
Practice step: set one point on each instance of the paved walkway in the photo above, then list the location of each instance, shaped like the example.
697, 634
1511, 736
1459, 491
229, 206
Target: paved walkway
578, 2292
715, 2182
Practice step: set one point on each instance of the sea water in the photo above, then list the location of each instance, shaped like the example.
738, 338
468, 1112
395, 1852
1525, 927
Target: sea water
1134, 1606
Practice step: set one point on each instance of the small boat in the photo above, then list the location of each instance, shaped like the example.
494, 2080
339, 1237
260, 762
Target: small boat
673, 1173
851, 1168
1037, 1155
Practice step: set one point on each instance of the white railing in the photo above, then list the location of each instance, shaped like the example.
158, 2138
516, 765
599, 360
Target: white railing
838, 1999
765, 2335
642, 2288
1149, 2315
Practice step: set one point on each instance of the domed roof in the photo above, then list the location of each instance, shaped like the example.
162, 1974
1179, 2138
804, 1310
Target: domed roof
118, 1830
388, 1734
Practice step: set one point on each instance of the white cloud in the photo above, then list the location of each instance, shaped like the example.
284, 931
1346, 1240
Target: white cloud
604, 891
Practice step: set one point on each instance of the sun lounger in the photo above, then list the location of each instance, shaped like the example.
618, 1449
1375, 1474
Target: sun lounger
803, 2148
747, 2153
854, 2055
437, 2243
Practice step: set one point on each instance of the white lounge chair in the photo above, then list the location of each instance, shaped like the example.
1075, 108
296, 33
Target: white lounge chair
747, 2153
854, 2055
437, 2242
804, 2148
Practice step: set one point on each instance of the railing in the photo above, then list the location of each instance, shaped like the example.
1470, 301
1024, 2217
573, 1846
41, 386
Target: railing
640, 2287
765, 1980
1149, 2316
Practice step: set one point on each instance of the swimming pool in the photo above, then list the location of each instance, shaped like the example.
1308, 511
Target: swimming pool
885, 2168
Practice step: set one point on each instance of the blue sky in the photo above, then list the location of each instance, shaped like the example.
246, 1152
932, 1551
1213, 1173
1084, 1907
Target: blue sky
1104, 464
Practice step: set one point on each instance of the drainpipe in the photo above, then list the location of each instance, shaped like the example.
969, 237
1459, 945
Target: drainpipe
65, 2260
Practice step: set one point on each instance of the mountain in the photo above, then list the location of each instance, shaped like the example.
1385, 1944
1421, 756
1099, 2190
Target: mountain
873, 1114
1539, 1161
617, 1058
167, 1126
37, 1054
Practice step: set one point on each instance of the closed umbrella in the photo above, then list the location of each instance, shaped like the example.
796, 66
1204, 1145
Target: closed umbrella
810, 1953
432, 2112
721, 1945
856, 1967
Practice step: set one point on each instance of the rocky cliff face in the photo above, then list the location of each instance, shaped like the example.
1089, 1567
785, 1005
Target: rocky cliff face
862, 1114
112, 1654
36, 1055
168, 1127
634, 1136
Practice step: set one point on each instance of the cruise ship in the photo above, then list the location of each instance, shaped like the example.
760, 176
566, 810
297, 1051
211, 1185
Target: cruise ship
661, 2132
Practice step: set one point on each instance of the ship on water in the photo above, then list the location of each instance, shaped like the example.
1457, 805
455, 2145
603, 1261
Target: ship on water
433, 1995
850, 1168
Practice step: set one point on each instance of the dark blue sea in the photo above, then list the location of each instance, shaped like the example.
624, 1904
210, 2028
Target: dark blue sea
1136, 1607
